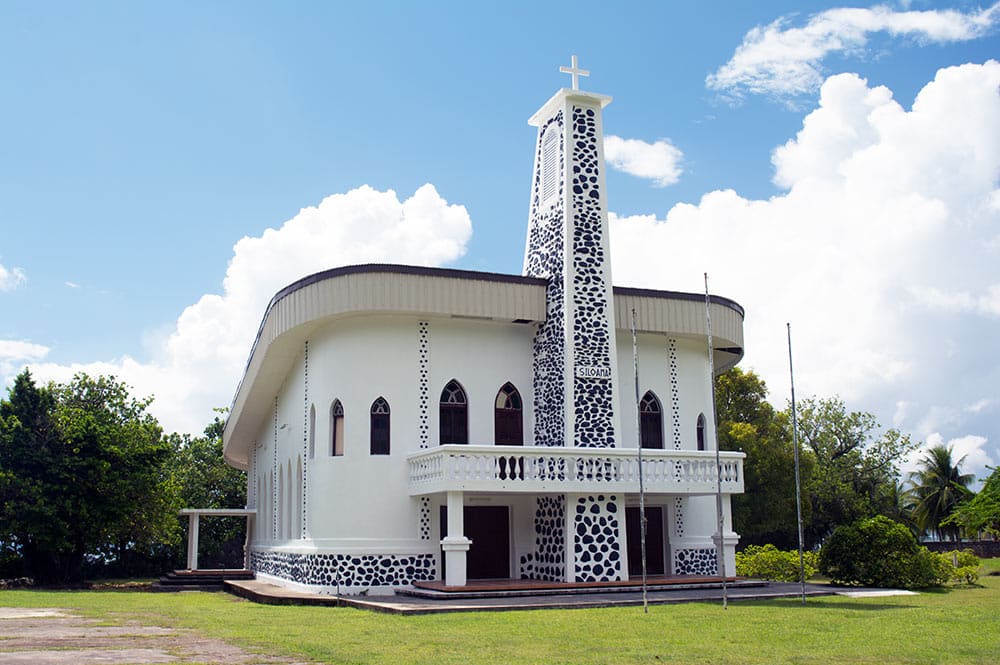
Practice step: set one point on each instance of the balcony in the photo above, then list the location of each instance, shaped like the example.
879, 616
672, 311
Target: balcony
538, 469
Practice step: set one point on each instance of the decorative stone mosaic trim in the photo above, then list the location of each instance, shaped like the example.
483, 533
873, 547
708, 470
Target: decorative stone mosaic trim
593, 403
596, 539
545, 259
423, 388
305, 442
679, 517
675, 394
696, 562
358, 571
274, 476
547, 562
425, 518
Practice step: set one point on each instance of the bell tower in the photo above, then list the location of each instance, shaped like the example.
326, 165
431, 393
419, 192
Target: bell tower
575, 361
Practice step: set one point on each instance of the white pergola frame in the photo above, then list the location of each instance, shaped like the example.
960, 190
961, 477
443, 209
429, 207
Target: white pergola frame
194, 522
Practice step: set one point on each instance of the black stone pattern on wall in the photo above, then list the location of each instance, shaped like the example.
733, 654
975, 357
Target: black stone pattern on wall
593, 402
547, 562
348, 570
305, 445
425, 518
545, 260
696, 562
423, 386
596, 539
274, 476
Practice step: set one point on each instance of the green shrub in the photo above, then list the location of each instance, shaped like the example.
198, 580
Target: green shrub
767, 562
963, 566
878, 552
928, 569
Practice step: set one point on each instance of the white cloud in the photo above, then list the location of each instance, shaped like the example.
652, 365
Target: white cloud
881, 204
969, 452
658, 161
72, 285
15, 354
197, 365
785, 61
11, 278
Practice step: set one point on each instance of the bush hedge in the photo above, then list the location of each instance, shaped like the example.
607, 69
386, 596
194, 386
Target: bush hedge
767, 562
879, 552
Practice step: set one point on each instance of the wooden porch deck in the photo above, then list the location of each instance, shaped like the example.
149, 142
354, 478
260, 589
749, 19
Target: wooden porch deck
512, 588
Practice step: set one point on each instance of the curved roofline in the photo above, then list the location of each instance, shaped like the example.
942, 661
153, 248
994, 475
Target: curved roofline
680, 295
401, 269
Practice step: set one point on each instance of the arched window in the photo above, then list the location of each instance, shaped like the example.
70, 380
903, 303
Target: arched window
380, 427
507, 422
454, 414
336, 428
701, 431
312, 431
650, 422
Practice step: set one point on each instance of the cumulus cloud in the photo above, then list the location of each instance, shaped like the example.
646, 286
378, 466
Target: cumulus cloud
11, 278
15, 354
876, 251
198, 364
785, 61
659, 161
969, 452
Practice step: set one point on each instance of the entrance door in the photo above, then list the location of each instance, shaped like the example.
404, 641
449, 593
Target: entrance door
654, 541
489, 529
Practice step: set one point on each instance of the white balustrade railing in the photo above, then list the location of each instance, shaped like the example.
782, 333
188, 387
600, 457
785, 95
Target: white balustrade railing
557, 469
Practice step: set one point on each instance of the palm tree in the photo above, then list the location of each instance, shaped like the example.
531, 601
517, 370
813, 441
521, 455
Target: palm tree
938, 488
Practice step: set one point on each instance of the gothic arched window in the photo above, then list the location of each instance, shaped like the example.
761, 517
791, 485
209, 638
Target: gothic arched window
700, 434
454, 414
650, 421
380, 427
336, 428
507, 420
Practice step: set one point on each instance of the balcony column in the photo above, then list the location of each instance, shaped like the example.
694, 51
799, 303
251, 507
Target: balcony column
455, 544
730, 538
193, 525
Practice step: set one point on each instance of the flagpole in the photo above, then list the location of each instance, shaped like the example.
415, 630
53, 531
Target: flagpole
720, 548
798, 482
642, 491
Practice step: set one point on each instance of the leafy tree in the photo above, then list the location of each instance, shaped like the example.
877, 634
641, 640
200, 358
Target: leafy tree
765, 512
855, 473
938, 488
206, 481
84, 475
982, 511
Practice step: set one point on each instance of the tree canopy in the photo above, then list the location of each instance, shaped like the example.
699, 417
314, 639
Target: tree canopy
83, 473
982, 511
938, 488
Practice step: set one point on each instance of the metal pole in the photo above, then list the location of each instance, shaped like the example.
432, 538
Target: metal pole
798, 482
642, 491
720, 548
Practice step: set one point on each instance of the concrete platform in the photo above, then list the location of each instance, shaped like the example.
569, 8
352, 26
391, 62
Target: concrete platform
399, 604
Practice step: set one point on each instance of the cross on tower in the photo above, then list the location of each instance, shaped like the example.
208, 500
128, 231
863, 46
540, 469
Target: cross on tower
575, 72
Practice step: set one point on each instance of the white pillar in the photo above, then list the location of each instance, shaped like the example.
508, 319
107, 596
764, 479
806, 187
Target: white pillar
455, 544
193, 541
247, 542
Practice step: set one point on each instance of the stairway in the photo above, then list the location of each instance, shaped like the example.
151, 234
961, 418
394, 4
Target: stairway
199, 580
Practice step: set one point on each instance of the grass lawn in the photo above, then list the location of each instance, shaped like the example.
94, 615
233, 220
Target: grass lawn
956, 625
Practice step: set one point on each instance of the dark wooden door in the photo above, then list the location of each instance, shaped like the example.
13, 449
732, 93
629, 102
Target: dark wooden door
654, 541
508, 428
488, 527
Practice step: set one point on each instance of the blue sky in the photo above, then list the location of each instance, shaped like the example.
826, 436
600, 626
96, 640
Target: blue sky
141, 142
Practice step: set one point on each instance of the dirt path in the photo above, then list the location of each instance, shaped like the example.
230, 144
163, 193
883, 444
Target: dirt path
58, 637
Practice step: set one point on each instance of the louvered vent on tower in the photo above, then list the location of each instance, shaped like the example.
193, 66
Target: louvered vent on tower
550, 164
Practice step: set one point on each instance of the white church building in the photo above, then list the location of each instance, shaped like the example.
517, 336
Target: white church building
404, 424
